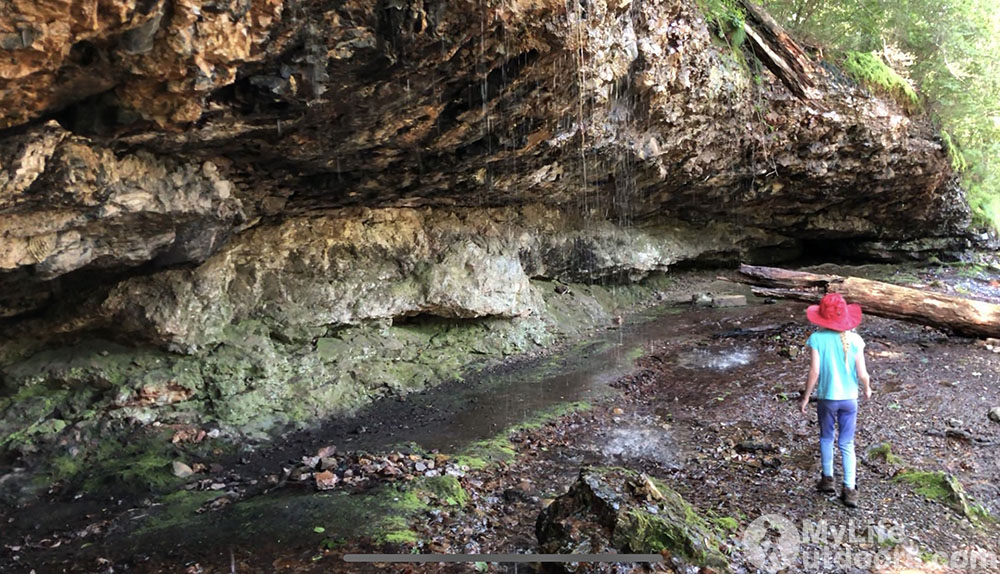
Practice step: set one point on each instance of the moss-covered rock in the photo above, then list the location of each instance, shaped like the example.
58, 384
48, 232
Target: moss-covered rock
946, 488
618, 510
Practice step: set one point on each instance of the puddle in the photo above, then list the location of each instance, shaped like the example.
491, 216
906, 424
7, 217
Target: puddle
453, 415
645, 443
716, 360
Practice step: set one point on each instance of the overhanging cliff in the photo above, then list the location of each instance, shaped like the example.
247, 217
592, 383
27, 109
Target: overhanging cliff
228, 184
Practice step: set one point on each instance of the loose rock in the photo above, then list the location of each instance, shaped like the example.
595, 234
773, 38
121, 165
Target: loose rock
994, 414
182, 470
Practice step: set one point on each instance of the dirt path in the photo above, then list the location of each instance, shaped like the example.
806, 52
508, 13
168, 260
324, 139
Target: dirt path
717, 419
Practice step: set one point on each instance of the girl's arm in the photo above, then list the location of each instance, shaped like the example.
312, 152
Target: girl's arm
811, 379
862, 368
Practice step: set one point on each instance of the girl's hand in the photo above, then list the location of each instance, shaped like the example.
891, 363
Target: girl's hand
804, 404
868, 393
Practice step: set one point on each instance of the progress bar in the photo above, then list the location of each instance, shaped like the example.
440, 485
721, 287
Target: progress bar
508, 558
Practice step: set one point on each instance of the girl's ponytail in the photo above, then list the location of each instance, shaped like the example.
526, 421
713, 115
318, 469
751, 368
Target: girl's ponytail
847, 349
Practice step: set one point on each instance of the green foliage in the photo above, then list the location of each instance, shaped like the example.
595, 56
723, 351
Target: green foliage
955, 154
725, 18
869, 69
949, 50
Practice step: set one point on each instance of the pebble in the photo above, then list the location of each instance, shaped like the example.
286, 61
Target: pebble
326, 480
182, 470
994, 414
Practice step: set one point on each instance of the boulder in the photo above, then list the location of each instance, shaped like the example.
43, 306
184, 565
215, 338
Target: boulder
615, 510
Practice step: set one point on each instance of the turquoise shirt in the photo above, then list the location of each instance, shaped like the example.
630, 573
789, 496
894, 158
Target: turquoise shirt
838, 378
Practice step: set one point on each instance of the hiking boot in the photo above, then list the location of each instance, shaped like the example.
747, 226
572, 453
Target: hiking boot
826, 484
850, 497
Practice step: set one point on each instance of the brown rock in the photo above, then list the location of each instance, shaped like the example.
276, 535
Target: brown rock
326, 480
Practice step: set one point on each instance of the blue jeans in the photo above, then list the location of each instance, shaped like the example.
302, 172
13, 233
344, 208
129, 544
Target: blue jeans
845, 415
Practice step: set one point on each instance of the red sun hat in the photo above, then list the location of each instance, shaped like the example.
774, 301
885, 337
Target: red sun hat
834, 313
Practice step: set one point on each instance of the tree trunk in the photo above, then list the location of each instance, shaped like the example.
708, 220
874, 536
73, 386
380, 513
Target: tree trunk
955, 314
776, 50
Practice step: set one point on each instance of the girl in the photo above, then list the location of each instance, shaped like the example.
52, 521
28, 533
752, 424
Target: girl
838, 364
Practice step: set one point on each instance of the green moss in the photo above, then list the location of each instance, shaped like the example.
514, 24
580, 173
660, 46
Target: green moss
140, 463
472, 462
946, 488
499, 448
676, 527
399, 537
177, 509
933, 485
726, 524
496, 449
884, 451
868, 69
64, 467
955, 155
384, 515
550, 414
446, 490
651, 533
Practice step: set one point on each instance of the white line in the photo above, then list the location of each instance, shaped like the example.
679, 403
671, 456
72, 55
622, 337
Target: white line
500, 558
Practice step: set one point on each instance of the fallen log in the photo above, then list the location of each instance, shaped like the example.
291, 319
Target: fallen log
957, 315
779, 52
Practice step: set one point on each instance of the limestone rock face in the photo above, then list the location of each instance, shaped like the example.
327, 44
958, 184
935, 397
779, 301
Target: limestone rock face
184, 122
161, 58
629, 107
355, 265
69, 205
220, 112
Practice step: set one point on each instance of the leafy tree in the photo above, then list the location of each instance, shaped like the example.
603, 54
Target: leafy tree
948, 49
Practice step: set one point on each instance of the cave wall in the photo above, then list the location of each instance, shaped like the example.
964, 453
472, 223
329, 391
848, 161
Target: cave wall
180, 177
